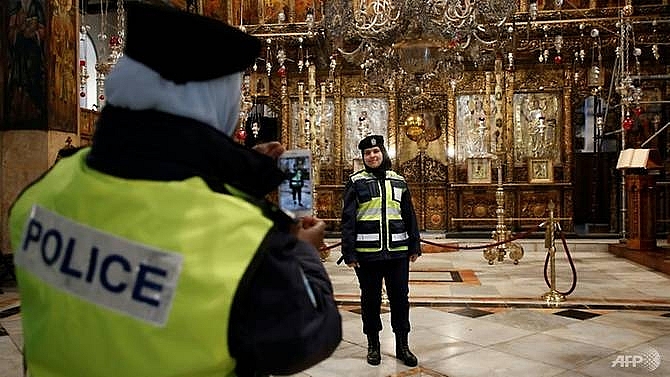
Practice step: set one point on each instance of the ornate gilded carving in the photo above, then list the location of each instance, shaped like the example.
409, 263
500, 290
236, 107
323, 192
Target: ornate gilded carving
358, 86
533, 204
328, 203
437, 202
435, 207
423, 169
472, 81
411, 170
451, 134
535, 80
479, 205
328, 176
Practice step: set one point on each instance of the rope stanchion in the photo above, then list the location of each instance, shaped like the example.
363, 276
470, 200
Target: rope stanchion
570, 261
554, 296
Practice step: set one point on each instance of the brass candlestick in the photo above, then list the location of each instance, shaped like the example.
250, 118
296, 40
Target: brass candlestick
501, 233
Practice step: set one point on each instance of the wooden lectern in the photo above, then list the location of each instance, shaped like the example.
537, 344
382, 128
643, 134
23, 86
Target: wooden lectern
641, 197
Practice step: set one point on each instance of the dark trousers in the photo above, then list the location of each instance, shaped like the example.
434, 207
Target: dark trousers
395, 273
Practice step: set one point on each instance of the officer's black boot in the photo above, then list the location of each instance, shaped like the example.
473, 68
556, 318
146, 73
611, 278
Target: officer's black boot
374, 354
402, 351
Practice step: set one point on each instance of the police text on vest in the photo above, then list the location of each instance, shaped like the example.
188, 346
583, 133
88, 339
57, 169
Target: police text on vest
104, 269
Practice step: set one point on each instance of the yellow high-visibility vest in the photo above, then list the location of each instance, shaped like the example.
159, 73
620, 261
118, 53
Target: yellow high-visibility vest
129, 277
379, 222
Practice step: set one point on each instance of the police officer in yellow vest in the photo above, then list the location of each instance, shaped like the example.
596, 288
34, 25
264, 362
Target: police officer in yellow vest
153, 253
380, 237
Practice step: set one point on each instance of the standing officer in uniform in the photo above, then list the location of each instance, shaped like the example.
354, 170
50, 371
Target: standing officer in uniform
379, 238
153, 253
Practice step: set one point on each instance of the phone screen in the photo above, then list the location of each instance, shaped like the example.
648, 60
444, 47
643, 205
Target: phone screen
295, 192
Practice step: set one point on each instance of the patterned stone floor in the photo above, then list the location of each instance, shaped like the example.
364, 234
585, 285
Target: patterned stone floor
472, 319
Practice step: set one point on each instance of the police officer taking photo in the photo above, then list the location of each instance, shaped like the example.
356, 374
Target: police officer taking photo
380, 237
153, 252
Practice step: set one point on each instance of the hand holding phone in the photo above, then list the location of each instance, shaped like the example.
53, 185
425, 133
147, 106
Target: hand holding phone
311, 230
273, 149
296, 191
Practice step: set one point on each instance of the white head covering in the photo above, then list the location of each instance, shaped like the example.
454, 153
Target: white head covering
133, 85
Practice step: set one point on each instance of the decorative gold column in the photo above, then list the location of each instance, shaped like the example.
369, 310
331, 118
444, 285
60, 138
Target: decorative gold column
338, 133
508, 132
567, 127
286, 113
451, 133
301, 115
500, 106
392, 127
488, 79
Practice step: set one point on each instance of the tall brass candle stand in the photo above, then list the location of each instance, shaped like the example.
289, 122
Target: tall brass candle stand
553, 296
501, 233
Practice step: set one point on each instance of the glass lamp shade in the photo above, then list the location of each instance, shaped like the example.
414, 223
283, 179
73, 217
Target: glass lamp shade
423, 125
414, 126
417, 55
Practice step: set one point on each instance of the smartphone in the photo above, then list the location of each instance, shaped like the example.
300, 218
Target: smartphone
296, 191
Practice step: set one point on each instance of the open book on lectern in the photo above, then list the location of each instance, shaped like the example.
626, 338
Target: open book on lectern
636, 158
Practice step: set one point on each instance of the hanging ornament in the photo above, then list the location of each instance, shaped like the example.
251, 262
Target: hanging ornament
268, 57
627, 123
532, 10
281, 59
510, 61
558, 44
654, 51
301, 64
628, 8
240, 134
309, 18
281, 56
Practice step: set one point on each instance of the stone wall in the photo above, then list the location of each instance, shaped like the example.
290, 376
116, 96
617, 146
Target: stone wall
25, 156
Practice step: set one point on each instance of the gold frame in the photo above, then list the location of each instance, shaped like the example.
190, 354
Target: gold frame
259, 84
479, 170
540, 170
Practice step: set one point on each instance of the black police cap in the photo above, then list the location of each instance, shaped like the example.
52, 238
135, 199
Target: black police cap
371, 141
185, 47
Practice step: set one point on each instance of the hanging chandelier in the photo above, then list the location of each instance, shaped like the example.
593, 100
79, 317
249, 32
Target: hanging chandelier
416, 38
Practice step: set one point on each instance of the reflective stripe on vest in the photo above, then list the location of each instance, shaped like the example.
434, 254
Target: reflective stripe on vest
372, 223
108, 338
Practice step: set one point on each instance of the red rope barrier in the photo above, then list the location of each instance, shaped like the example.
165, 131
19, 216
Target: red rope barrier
445, 246
514, 238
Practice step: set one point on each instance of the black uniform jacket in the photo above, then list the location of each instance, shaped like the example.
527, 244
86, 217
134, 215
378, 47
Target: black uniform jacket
274, 327
349, 211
